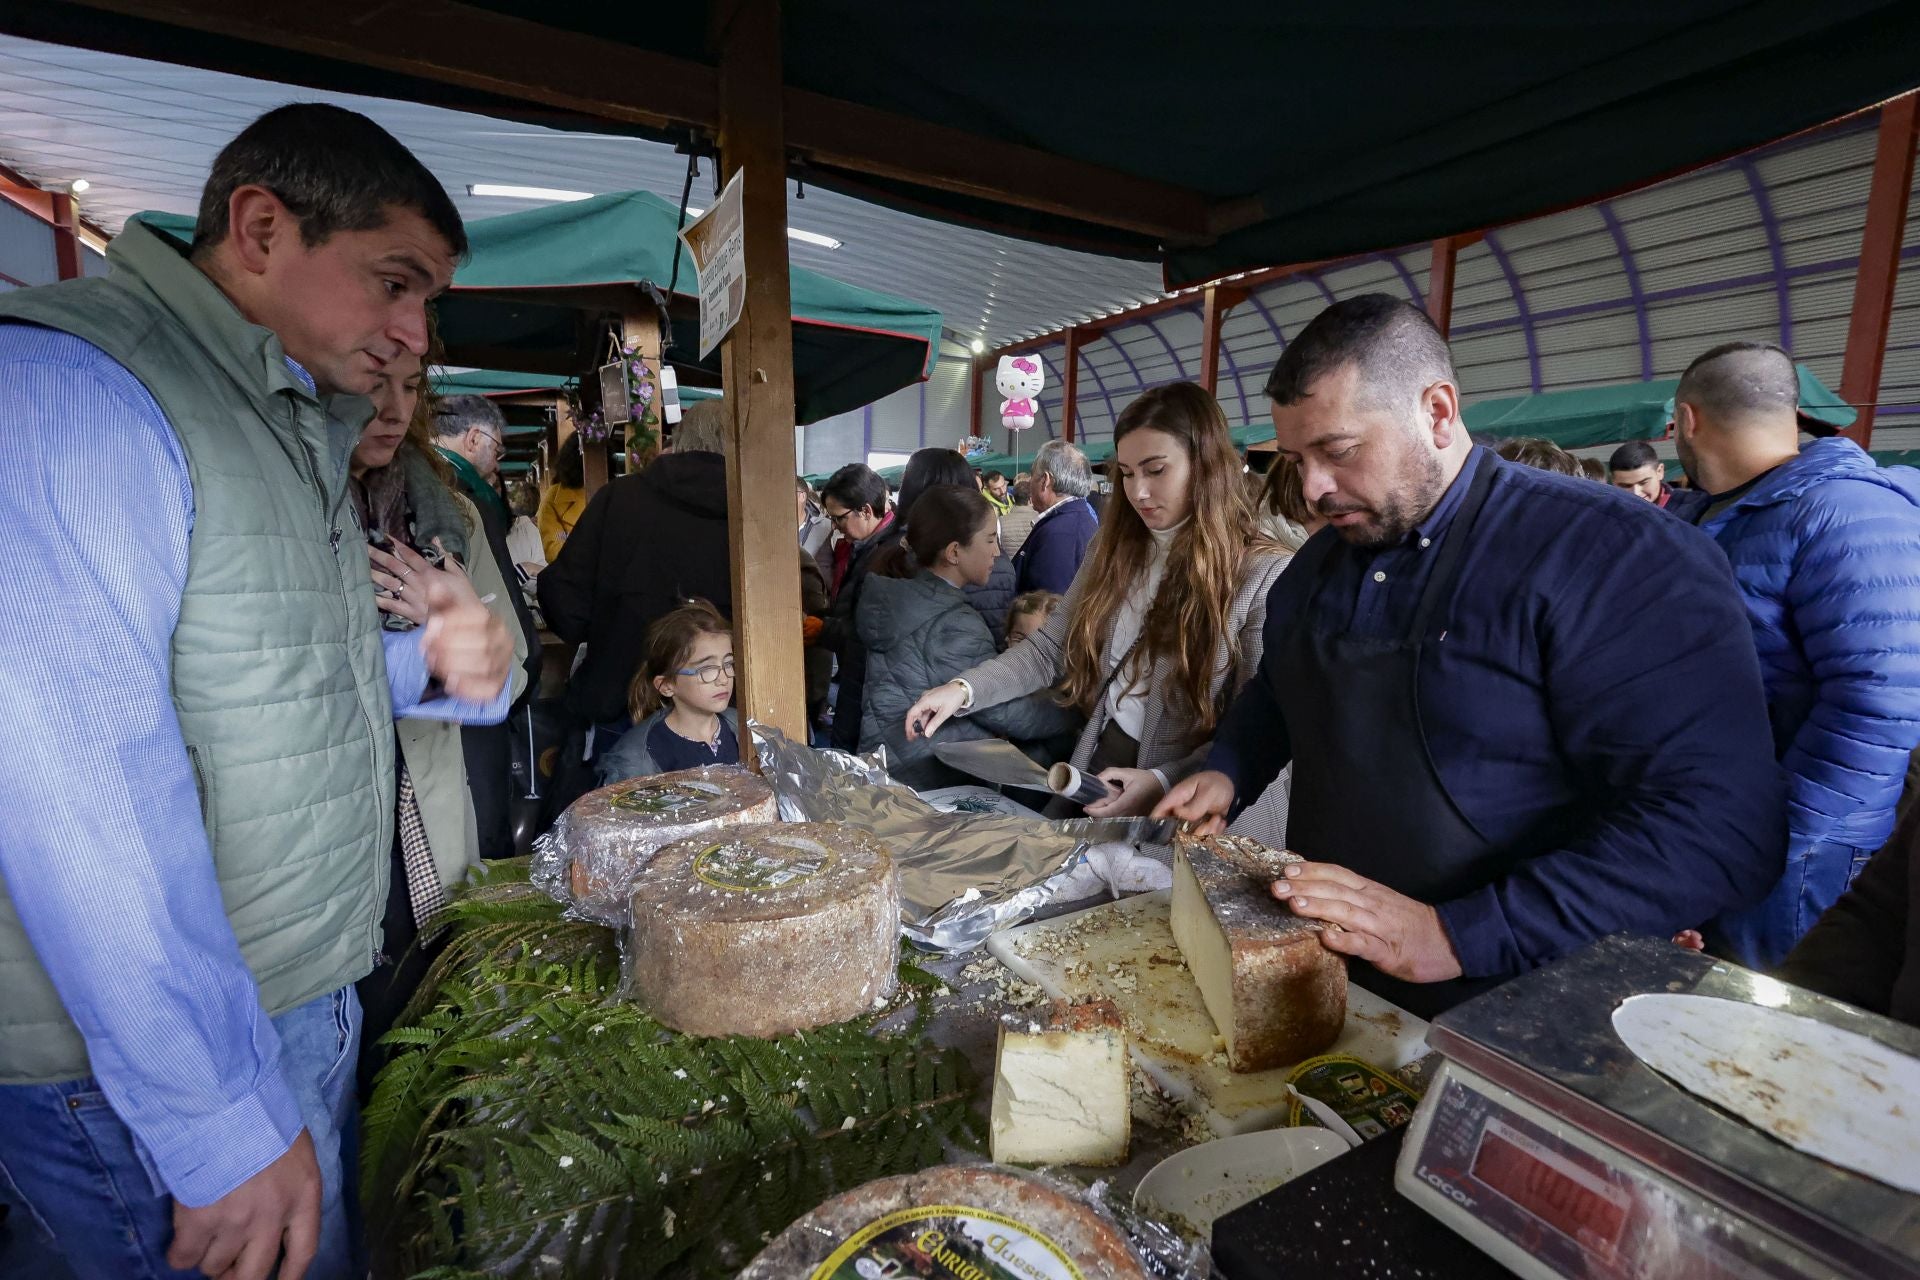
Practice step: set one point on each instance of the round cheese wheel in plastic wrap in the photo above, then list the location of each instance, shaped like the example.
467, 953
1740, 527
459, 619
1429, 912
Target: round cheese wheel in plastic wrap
762, 930
604, 839
951, 1222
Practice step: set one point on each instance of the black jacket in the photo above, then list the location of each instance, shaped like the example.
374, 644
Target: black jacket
644, 545
841, 635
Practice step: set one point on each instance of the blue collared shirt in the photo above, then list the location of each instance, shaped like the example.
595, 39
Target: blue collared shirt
1596, 659
103, 849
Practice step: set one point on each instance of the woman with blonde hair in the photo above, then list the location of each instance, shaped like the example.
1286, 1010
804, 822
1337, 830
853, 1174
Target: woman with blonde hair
1163, 623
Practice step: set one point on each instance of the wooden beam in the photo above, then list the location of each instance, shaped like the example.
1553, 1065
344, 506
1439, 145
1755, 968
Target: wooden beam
597, 78
66, 237
1217, 302
1880, 244
757, 369
1070, 392
1446, 252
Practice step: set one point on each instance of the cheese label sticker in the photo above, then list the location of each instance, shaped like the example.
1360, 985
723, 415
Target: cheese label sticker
947, 1242
739, 868
667, 799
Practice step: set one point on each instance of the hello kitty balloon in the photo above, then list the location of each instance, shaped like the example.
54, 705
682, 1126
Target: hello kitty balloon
1019, 379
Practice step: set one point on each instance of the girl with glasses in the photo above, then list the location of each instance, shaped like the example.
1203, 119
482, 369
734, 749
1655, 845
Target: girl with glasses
680, 699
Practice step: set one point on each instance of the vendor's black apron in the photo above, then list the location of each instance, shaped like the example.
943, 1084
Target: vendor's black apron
1366, 795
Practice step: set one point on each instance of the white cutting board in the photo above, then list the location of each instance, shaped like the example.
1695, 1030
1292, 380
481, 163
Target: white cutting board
1125, 951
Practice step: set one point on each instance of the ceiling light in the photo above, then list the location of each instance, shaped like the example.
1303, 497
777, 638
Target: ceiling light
80, 186
525, 193
804, 237
978, 346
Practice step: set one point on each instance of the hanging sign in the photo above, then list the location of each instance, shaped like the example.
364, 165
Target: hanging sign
717, 241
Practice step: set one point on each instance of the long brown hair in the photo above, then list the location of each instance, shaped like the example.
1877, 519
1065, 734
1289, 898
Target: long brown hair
1187, 621
669, 642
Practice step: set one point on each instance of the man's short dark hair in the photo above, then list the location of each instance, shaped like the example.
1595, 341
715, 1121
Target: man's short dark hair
991, 476
334, 169
1736, 379
1394, 343
856, 485
1632, 456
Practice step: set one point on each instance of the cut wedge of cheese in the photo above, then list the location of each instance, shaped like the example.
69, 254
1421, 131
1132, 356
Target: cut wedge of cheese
1276, 994
1060, 1086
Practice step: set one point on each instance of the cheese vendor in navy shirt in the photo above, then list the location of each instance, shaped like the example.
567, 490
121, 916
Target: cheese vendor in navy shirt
1523, 710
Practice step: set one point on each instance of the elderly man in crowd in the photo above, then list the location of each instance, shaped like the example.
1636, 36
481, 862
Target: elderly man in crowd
854, 499
1636, 468
199, 834
1064, 522
1442, 668
1825, 545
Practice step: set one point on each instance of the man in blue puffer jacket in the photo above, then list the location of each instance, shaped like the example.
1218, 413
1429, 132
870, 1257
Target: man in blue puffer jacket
1825, 545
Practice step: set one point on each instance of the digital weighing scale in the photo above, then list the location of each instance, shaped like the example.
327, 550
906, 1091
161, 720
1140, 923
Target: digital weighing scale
1547, 1143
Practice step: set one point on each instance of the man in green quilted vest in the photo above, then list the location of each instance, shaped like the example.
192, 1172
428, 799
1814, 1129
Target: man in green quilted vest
200, 785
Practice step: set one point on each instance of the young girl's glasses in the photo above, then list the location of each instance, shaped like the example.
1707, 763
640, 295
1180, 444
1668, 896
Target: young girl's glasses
712, 672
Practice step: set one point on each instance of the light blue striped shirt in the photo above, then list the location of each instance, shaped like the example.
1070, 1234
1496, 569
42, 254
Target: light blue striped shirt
103, 849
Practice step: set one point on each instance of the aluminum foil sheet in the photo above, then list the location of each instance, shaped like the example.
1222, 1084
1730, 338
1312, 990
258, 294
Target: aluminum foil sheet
962, 875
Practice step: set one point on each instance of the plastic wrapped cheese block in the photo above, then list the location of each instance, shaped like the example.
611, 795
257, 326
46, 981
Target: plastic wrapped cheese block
765, 929
601, 842
1276, 994
950, 1223
1061, 1093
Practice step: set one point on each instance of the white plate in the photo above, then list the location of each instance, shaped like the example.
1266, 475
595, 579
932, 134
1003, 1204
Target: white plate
1830, 1092
1206, 1182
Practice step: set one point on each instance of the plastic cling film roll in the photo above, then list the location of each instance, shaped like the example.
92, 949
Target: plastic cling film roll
1081, 788
606, 837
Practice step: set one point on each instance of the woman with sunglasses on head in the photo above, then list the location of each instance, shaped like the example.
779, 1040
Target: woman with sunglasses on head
1162, 624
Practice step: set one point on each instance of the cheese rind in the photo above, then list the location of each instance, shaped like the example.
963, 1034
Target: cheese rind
1093, 1246
604, 839
766, 929
1275, 992
1061, 1093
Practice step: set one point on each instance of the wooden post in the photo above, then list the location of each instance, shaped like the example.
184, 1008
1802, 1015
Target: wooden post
1879, 263
66, 237
1220, 299
1070, 391
1440, 284
757, 374
641, 331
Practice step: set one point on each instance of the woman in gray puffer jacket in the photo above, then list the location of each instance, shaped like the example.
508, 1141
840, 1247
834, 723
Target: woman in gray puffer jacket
919, 631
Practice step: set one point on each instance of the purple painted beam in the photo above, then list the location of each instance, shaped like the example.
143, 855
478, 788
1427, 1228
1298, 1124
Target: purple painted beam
1406, 278
1632, 268
1492, 241
1782, 287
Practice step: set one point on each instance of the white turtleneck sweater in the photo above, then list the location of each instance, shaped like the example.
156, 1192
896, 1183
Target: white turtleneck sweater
1127, 693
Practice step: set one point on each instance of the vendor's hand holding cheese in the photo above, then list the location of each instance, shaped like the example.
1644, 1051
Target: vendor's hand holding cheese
1522, 711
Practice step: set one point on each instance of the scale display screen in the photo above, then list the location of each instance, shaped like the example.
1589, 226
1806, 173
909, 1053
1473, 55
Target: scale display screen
1548, 1204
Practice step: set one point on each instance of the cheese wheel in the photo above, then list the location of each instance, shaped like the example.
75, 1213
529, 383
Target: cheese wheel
1276, 993
950, 1222
765, 929
606, 836
1061, 1087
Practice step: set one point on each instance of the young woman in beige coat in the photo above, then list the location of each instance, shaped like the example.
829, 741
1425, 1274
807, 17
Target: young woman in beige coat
1164, 622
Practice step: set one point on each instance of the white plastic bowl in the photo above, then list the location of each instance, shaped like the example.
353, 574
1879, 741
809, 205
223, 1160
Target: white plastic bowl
1206, 1182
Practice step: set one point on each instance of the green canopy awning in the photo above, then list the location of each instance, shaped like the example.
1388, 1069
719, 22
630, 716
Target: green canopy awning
531, 277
